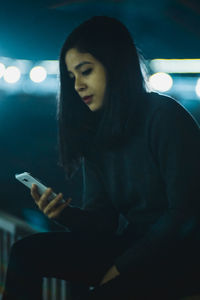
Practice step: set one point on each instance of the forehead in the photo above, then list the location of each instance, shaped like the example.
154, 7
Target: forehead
73, 57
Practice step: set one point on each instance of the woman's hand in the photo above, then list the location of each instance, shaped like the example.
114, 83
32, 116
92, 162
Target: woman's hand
51, 209
111, 274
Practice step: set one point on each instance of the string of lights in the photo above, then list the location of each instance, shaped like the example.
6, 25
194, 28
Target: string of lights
166, 75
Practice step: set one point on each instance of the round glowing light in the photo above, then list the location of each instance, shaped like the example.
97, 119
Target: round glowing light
161, 82
38, 74
198, 88
12, 74
2, 69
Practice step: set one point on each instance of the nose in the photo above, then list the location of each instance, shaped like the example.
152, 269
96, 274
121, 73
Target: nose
79, 85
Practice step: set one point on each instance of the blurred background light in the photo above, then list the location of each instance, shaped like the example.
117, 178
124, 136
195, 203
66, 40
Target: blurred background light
175, 65
51, 66
32, 72
12, 74
38, 74
160, 82
2, 69
198, 88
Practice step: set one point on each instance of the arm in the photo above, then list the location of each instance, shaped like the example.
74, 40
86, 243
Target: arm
97, 213
174, 140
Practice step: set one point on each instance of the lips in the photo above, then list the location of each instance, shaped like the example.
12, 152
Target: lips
87, 99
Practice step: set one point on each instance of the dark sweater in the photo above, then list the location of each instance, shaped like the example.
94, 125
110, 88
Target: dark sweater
152, 180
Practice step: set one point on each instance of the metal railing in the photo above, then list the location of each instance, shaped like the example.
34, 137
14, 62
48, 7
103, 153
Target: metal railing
11, 230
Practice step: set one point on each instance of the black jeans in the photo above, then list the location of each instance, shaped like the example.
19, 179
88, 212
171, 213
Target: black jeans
75, 257
78, 258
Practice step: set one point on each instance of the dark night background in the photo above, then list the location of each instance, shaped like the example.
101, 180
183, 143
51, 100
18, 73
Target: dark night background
35, 30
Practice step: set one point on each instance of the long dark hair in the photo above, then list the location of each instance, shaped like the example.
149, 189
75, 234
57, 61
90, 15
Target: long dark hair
110, 42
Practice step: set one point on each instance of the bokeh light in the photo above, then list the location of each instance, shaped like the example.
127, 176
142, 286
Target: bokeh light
38, 74
12, 74
2, 69
161, 82
198, 88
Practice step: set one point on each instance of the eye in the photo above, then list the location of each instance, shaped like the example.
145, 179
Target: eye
87, 72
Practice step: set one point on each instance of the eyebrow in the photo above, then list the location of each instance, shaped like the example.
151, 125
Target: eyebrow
80, 65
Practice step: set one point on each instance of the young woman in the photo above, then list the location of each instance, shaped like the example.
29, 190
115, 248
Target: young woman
139, 154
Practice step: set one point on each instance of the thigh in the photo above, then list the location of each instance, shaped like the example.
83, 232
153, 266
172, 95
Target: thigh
71, 256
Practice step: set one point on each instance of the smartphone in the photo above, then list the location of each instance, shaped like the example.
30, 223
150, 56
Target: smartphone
27, 179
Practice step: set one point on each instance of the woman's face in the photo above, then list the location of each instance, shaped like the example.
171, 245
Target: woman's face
89, 77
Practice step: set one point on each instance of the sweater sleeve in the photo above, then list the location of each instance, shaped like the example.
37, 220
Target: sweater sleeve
96, 215
174, 142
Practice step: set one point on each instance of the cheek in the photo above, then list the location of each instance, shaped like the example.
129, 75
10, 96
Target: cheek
102, 84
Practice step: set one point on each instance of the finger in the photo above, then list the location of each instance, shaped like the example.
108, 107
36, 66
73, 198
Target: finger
34, 192
53, 204
54, 214
43, 201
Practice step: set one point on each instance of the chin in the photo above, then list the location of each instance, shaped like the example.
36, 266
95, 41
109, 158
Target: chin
94, 107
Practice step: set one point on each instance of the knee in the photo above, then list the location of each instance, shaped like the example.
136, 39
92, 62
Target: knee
23, 249
18, 250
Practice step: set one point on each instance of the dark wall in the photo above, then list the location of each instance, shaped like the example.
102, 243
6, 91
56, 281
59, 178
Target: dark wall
28, 132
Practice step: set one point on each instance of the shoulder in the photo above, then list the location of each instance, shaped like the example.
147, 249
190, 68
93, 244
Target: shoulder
167, 111
157, 103
170, 123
